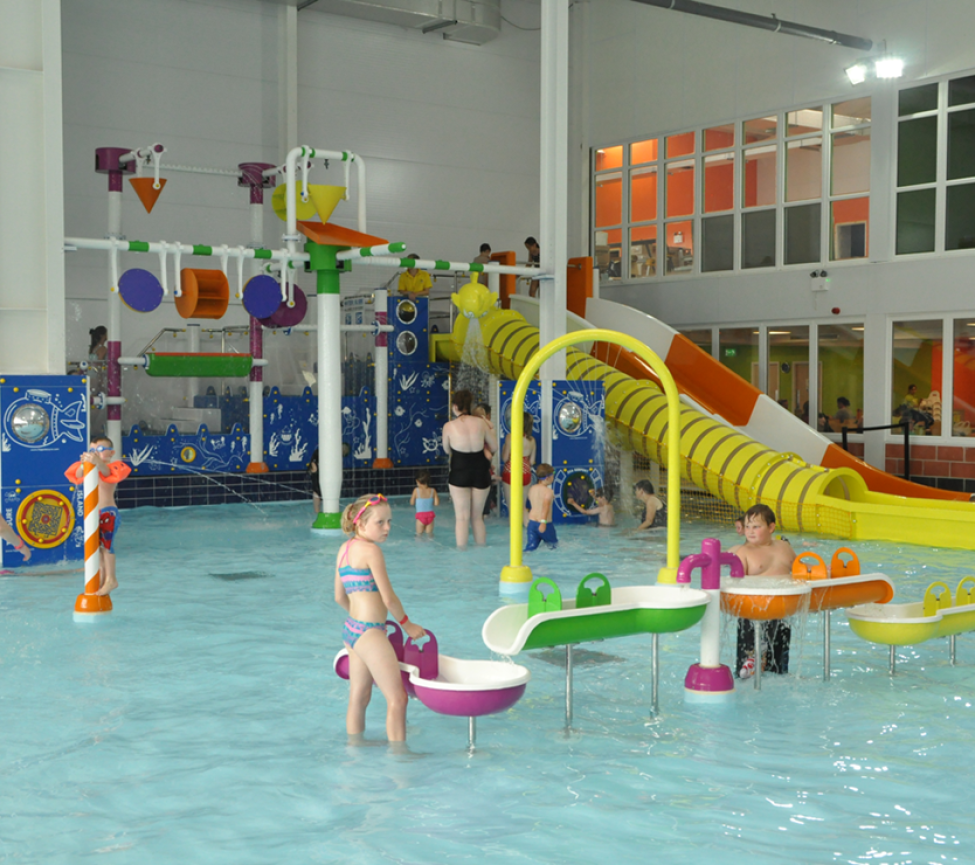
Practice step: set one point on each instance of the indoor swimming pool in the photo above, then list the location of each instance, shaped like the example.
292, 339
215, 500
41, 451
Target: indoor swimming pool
204, 723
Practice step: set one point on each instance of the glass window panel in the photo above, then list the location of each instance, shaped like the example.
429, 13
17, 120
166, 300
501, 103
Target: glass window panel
961, 91
719, 137
609, 157
609, 199
680, 246
915, 221
851, 112
680, 188
850, 162
758, 176
961, 144
802, 233
963, 401
719, 182
643, 251
917, 149
917, 348
850, 223
787, 381
840, 375
960, 217
916, 99
718, 243
607, 249
738, 350
759, 129
804, 169
643, 151
758, 239
804, 120
700, 337
680, 145
643, 194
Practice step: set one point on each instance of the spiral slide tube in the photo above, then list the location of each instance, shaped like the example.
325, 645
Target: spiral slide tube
730, 464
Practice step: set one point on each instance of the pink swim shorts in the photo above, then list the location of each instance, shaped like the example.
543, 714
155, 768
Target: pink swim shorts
425, 518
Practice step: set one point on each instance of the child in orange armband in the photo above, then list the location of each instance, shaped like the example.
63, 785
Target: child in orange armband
110, 473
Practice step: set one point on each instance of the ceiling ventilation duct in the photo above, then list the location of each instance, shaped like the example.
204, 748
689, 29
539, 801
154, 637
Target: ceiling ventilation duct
472, 21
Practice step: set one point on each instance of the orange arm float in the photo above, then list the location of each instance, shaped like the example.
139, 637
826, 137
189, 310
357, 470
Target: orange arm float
71, 473
118, 472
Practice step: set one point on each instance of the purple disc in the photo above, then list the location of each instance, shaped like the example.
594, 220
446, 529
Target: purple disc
262, 296
285, 316
140, 290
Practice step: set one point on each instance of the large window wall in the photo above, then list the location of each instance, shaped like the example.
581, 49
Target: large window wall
786, 189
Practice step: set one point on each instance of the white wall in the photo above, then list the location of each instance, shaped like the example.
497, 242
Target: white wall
32, 277
449, 132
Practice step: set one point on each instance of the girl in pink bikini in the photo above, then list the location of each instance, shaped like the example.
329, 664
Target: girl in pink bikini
424, 498
363, 590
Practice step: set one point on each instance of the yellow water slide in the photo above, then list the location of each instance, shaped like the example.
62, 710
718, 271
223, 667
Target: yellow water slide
731, 465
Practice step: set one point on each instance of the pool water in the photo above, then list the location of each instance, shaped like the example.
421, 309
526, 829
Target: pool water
204, 723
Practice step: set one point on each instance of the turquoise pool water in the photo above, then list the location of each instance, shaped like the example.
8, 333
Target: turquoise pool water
203, 723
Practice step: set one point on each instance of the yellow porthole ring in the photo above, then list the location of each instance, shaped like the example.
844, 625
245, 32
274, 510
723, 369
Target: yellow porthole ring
187, 454
45, 519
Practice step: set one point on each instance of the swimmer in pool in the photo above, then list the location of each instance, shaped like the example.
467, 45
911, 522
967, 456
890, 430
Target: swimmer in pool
604, 508
423, 499
763, 555
465, 439
363, 590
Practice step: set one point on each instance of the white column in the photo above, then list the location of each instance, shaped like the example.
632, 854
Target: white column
192, 383
255, 388
329, 409
113, 428
553, 196
381, 355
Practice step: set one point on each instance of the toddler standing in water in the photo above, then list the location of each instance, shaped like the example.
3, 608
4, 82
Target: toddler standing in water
424, 498
363, 590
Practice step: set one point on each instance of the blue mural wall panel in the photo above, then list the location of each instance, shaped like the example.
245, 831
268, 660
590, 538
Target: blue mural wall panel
418, 397
578, 439
44, 430
186, 453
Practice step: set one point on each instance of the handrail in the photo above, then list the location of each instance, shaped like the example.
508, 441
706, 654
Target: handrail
906, 424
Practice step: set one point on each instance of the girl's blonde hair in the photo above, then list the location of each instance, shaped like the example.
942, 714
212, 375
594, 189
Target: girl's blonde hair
361, 507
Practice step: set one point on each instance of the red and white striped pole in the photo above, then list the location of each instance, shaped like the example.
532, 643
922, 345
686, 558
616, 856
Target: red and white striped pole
89, 605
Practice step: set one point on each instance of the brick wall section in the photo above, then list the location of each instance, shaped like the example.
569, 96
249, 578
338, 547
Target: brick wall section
947, 467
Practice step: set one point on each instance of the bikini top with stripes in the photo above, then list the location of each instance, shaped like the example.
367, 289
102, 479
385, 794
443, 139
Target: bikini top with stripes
356, 579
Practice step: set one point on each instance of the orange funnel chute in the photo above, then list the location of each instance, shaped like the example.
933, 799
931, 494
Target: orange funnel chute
148, 195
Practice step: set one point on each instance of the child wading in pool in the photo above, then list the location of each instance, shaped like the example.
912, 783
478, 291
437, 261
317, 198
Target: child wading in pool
604, 508
540, 499
424, 498
763, 555
110, 474
363, 590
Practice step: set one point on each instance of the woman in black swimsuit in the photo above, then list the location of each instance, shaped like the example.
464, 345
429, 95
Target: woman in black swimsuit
465, 439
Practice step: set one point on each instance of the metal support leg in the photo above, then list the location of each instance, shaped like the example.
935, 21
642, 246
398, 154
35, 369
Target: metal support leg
757, 629
951, 649
471, 733
655, 669
568, 686
825, 645
893, 661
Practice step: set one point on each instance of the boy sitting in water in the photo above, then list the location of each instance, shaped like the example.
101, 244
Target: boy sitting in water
100, 454
763, 555
540, 499
604, 508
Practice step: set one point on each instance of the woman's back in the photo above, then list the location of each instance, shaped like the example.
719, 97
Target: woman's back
466, 433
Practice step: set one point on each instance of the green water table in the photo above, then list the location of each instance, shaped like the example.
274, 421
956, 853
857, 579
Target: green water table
598, 612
